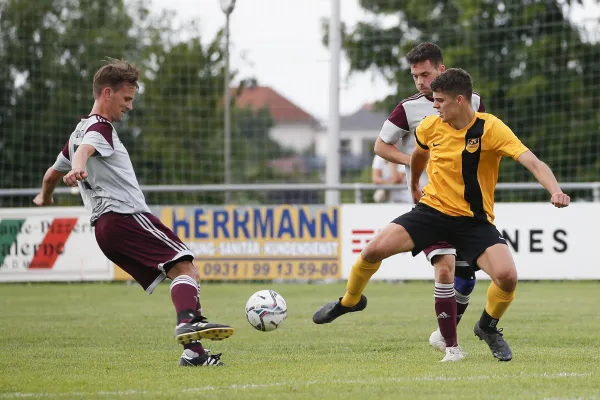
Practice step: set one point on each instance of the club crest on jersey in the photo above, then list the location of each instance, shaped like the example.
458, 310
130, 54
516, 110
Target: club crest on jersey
472, 145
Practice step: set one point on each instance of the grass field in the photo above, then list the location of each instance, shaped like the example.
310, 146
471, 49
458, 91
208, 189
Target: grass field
114, 341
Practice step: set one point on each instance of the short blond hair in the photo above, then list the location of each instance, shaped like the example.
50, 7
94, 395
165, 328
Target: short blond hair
114, 74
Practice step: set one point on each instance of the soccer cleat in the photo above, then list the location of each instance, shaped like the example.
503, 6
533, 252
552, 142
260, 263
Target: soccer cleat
191, 359
495, 341
436, 340
453, 354
199, 328
330, 311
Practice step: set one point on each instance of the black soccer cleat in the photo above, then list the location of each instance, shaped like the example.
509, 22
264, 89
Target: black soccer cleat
204, 360
500, 349
330, 311
199, 328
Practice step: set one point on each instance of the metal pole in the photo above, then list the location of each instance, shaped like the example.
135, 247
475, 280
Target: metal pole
332, 170
227, 122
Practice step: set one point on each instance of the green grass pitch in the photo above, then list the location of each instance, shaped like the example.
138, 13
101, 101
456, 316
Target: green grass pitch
106, 341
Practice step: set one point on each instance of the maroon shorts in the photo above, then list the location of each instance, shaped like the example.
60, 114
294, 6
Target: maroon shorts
442, 248
141, 245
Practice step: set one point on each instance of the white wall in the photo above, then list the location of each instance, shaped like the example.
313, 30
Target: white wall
357, 141
296, 137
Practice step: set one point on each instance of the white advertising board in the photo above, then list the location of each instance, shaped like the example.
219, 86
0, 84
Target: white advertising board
50, 244
546, 242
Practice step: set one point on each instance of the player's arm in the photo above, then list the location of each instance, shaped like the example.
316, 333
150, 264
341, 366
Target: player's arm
390, 152
393, 129
545, 176
395, 176
377, 176
80, 158
51, 179
418, 162
507, 144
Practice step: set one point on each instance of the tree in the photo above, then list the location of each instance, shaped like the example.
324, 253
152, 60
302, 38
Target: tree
529, 61
49, 51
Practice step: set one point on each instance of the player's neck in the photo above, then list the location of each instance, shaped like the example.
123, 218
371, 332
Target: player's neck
98, 109
463, 119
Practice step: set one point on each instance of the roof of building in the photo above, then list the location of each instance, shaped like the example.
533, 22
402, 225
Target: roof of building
282, 110
366, 118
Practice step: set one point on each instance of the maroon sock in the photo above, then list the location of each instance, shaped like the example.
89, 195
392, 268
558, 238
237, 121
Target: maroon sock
186, 299
462, 302
445, 308
184, 294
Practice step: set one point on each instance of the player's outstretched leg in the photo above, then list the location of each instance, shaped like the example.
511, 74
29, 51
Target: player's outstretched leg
391, 240
353, 300
192, 359
192, 326
330, 311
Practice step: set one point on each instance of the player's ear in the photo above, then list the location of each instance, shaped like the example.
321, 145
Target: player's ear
106, 92
442, 67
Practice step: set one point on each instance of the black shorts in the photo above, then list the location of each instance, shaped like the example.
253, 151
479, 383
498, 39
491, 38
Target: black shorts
470, 236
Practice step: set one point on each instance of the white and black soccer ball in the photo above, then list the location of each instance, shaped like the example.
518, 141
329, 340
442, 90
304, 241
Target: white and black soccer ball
266, 310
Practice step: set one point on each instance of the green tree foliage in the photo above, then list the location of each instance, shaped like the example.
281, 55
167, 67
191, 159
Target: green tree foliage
533, 66
49, 51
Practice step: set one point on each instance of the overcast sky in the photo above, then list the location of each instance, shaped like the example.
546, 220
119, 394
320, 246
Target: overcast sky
279, 43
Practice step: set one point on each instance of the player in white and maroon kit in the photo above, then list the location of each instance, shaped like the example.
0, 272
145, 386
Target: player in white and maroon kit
95, 160
453, 287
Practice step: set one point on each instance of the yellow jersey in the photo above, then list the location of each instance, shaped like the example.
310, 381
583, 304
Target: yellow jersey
463, 164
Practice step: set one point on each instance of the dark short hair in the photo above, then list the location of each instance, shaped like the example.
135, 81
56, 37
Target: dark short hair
454, 81
425, 52
114, 74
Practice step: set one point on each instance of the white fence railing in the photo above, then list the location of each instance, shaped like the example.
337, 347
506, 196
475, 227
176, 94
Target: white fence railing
357, 188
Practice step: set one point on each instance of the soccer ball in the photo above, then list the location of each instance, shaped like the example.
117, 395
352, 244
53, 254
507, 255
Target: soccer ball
266, 310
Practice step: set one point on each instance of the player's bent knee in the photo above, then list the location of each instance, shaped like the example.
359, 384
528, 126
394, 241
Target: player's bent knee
464, 286
507, 279
372, 253
184, 268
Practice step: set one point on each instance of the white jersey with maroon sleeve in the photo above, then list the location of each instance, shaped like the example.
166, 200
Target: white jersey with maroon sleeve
111, 184
402, 124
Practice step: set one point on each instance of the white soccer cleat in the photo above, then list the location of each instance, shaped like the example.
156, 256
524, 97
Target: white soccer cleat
436, 340
453, 354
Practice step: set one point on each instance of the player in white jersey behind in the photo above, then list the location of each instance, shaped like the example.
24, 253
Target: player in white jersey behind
386, 173
95, 160
453, 286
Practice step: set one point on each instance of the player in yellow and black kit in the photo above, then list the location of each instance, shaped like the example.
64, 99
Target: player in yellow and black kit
464, 149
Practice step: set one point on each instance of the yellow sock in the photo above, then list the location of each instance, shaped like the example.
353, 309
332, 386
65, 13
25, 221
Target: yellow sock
497, 301
359, 276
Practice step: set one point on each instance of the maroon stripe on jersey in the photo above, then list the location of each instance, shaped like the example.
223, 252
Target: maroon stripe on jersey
413, 97
398, 117
481, 106
65, 151
103, 128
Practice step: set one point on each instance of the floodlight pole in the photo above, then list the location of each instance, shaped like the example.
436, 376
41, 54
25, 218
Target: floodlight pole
227, 6
332, 166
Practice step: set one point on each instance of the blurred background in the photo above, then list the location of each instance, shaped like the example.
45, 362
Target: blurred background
535, 64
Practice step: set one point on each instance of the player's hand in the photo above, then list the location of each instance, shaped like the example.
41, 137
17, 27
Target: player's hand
416, 193
41, 201
75, 175
560, 200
